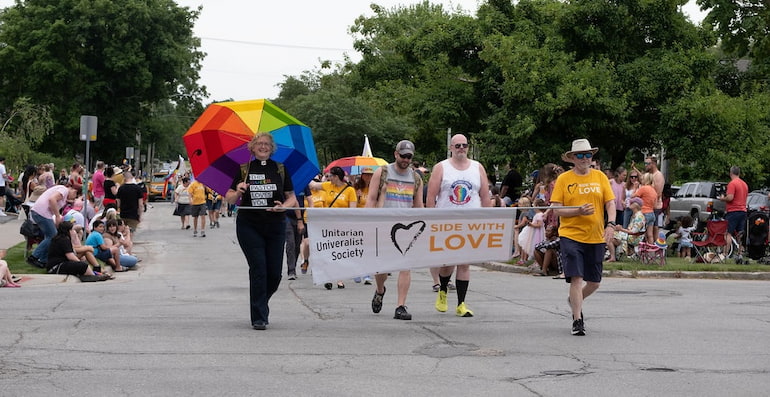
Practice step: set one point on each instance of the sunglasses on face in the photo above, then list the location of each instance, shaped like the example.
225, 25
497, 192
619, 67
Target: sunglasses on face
461, 145
634, 176
407, 156
583, 155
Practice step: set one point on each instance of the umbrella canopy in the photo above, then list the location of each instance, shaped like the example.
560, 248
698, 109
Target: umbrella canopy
217, 142
353, 165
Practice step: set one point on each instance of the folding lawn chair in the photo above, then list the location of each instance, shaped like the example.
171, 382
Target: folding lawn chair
651, 253
712, 247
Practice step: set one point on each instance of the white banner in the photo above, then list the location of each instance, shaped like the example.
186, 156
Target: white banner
353, 242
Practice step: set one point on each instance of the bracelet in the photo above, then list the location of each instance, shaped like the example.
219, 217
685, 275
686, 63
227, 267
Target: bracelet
610, 223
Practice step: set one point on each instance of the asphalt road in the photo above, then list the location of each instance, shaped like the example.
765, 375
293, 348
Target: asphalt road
180, 326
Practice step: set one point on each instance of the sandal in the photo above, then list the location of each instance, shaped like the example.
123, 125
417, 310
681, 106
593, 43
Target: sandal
303, 267
340, 285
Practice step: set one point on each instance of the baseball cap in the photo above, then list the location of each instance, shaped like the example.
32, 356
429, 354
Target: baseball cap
367, 170
405, 147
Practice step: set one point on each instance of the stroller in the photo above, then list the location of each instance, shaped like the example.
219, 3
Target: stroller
757, 230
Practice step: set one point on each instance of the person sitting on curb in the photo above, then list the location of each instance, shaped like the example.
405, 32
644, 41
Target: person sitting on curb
62, 258
6, 278
547, 252
84, 253
103, 251
111, 233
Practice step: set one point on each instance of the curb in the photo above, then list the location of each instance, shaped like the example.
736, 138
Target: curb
505, 267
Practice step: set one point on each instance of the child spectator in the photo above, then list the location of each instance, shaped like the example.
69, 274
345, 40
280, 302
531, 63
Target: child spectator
683, 233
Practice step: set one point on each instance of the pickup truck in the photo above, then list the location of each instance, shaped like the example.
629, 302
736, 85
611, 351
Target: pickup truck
698, 200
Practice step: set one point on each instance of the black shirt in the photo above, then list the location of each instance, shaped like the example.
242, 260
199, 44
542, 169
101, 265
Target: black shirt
129, 195
265, 187
108, 184
513, 181
57, 251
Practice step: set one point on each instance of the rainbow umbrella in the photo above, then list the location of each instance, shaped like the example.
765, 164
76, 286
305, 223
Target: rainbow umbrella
217, 142
355, 164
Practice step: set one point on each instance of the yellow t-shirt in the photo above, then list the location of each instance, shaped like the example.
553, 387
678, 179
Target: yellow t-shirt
363, 197
572, 190
345, 198
316, 199
197, 193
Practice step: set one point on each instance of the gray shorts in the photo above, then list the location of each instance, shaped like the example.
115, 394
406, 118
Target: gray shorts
198, 210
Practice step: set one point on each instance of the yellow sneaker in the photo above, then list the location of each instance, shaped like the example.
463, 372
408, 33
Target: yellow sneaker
462, 311
441, 304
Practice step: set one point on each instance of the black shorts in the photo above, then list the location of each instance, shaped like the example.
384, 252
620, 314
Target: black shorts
736, 221
582, 259
2, 190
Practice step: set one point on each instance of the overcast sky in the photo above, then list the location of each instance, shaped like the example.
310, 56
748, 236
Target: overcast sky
252, 45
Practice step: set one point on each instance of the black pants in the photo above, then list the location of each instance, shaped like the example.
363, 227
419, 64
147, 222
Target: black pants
293, 242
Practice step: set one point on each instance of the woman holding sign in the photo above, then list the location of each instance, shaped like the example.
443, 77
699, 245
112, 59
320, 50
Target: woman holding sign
261, 230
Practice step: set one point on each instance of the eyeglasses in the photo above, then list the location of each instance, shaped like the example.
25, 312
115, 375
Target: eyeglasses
583, 155
407, 156
647, 163
634, 176
263, 144
461, 145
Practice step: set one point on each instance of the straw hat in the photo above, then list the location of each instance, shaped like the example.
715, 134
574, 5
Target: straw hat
579, 145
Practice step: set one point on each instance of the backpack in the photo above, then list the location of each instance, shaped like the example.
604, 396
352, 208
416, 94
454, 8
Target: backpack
384, 177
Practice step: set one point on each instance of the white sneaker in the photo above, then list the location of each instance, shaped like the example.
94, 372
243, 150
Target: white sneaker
2, 213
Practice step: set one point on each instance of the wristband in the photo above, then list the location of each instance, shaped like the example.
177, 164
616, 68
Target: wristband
610, 223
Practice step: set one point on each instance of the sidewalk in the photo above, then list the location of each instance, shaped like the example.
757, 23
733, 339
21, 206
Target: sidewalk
9, 230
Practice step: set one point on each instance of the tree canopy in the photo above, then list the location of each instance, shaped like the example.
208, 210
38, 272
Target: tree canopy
524, 79
521, 79
116, 60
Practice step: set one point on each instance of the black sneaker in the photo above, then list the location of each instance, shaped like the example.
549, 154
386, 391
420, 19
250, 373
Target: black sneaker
35, 262
377, 300
259, 325
578, 328
402, 314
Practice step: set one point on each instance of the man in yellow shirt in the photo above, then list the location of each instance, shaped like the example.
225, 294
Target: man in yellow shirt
198, 207
582, 227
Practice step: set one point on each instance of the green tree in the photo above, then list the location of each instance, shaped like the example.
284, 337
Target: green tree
339, 119
112, 59
30, 124
416, 62
743, 27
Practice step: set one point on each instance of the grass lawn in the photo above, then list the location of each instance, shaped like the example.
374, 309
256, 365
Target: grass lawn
17, 264
675, 264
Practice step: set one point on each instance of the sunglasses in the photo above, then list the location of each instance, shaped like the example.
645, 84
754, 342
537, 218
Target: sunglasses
583, 155
407, 156
461, 145
634, 176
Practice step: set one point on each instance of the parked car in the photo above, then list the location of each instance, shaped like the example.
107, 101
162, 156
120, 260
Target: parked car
698, 200
758, 201
159, 187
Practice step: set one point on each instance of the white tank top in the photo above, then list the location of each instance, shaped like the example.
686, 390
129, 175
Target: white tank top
460, 188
